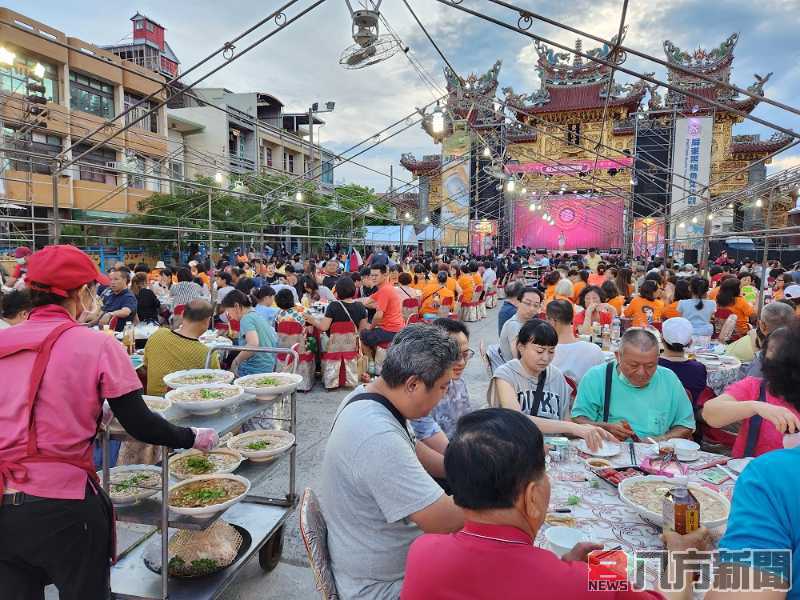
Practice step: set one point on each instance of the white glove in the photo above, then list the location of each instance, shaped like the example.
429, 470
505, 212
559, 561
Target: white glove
205, 439
107, 417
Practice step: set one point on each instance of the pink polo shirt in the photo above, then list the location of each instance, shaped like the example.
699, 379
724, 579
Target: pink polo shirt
487, 562
85, 368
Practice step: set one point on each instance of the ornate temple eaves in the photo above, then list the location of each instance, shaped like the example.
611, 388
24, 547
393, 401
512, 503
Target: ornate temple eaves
753, 144
428, 165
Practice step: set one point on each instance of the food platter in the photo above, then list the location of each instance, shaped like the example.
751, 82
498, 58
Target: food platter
207, 495
262, 445
604, 451
266, 386
179, 379
737, 465
131, 483
194, 463
646, 494
205, 399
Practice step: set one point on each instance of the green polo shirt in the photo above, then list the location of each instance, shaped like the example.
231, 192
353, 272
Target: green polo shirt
651, 411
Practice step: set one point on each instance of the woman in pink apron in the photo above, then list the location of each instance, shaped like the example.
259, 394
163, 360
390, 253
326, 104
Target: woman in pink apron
56, 523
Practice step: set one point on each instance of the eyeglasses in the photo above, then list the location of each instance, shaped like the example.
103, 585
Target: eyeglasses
530, 303
467, 354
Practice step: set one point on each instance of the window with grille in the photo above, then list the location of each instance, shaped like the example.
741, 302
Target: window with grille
137, 178
291, 163
268, 161
34, 143
137, 115
15, 79
95, 165
91, 95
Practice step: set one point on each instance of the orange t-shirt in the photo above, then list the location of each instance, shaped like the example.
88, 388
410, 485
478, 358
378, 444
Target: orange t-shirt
550, 292
577, 288
595, 279
743, 311
429, 293
713, 293
451, 285
556, 297
477, 279
467, 287
617, 303
388, 302
670, 311
636, 311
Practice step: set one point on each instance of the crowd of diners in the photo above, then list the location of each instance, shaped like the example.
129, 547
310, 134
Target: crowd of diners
425, 495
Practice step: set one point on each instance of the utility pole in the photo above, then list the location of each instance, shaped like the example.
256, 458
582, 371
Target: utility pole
764, 255
210, 233
310, 172
56, 218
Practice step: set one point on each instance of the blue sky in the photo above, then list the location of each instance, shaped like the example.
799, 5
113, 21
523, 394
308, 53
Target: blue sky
300, 64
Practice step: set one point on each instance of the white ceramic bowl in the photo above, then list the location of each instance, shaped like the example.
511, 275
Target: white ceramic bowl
205, 511
223, 377
562, 539
658, 518
288, 382
205, 407
141, 493
280, 442
685, 450
606, 450
232, 453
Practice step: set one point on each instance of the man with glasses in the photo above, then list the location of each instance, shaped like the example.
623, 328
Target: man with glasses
529, 304
436, 429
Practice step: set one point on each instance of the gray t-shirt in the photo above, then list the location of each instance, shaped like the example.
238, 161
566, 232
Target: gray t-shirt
371, 482
556, 397
508, 336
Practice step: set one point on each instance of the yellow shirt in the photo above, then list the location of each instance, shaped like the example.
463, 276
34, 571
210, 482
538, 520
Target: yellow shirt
167, 351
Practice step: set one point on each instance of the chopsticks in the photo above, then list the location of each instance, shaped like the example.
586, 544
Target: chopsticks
632, 449
606, 553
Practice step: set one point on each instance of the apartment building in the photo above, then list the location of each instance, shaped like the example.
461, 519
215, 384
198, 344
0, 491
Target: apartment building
245, 133
85, 87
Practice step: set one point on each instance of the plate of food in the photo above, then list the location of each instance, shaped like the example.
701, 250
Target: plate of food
737, 465
604, 451
180, 379
207, 495
205, 399
646, 496
262, 445
157, 404
266, 386
194, 554
193, 463
130, 483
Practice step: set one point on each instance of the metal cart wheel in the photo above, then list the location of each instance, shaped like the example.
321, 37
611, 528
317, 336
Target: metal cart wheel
270, 554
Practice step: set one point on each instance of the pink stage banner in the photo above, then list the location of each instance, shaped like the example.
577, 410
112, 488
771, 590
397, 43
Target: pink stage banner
579, 223
569, 167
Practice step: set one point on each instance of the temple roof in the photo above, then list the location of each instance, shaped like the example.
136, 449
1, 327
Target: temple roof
473, 96
715, 63
568, 85
430, 164
753, 144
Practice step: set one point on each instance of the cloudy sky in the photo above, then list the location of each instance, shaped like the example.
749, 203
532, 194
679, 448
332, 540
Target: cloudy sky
299, 65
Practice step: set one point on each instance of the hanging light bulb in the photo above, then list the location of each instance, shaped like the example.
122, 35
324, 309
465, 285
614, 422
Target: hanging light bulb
682, 225
694, 219
298, 196
575, 192
710, 216
218, 177
407, 215
561, 192
437, 120
730, 204
370, 209
524, 190
759, 203
546, 217
511, 185
532, 206
486, 152
426, 220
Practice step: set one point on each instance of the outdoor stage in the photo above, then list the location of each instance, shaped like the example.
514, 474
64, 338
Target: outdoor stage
579, 222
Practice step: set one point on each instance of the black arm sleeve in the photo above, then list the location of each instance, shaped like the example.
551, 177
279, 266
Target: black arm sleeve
146, 426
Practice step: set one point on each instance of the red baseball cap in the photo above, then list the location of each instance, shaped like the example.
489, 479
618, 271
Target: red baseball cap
22, 252
58, 269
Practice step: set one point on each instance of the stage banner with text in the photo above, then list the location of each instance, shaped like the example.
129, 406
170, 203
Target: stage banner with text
455, 188
481, 236
578, 223
691, 168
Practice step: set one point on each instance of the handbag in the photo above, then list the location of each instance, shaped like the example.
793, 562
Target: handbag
362, 360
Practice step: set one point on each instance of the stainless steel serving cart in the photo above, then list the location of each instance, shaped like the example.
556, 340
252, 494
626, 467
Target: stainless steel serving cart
263, 517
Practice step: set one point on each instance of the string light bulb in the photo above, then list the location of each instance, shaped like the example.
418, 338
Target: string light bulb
407, 215
370, 209
218, 177
298, 196
730, 204
510, 185
531, 206
694, 219
759, 203
682, 225
486, 152
710, 216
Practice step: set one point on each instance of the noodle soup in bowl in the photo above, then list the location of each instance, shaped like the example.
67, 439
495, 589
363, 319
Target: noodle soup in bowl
207, 495
205, 399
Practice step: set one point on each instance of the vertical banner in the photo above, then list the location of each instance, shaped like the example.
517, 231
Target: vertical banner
648, 237
691, 169
455, 187
481, 236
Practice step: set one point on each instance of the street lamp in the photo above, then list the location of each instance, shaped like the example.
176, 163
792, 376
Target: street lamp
437, 120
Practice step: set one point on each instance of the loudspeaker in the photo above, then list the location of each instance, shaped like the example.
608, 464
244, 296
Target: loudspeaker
690, 256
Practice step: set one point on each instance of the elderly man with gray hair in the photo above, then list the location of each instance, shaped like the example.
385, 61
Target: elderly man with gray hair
376, 494
632, 397
748, 347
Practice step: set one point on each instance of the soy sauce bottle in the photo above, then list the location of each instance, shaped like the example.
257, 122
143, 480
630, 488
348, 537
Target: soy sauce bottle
681, 509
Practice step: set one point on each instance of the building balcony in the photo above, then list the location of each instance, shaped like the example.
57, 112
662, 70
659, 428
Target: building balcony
242, 164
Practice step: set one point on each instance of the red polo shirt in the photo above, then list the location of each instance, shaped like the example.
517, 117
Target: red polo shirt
470, 564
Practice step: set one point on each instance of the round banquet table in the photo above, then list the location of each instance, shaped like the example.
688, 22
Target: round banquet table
721, 375
601, 514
